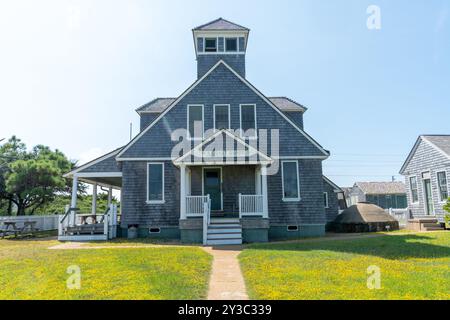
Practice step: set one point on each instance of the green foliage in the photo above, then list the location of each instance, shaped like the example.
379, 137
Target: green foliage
447, 205
84, 203
32, 179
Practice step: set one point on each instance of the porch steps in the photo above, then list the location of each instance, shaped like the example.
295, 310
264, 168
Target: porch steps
226, 231
425, 224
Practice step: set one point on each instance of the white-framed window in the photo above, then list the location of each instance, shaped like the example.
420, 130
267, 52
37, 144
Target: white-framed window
442, 186
231, 44
414, 189
195, 121
248, 126
155, 182
325, 200
290, 181
222, 116
210, 44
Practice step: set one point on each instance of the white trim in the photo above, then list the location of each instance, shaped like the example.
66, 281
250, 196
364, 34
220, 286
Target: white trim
425, 199
298, 198
162, 178
270, 103
221, 184
442, 201
99, 174
199, 146
229, 114
414, 149
331, 183
91, 163
327, 202
148, 159
410, 190
203, 123
241, 131
299, 157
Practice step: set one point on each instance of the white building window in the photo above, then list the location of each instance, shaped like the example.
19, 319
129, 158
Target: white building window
290, 181
210, 44
195, 122
442, 186
231, 44
248, 120
155, 183
221, 116
414, 190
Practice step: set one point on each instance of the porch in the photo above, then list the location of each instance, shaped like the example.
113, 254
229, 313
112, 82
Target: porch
233, 191
95, 225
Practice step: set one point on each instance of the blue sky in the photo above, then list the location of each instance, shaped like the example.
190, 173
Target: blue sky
72, 72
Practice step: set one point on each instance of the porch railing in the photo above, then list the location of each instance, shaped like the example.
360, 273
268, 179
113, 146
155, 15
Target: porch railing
206, 219
195, 205
251, 205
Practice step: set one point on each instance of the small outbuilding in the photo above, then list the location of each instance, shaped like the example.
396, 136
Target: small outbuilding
364, 217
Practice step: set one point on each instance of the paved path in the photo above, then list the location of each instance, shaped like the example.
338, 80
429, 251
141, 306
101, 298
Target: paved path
226, 282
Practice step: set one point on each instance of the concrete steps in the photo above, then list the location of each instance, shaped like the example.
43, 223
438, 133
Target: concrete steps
224, 231
424, 224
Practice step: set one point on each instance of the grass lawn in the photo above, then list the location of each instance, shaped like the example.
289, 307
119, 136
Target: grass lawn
28, 270
413, 266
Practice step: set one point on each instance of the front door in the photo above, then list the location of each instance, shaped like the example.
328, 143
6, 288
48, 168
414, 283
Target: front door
428, 197
212, 185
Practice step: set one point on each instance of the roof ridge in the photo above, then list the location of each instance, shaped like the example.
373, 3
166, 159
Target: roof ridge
217, 20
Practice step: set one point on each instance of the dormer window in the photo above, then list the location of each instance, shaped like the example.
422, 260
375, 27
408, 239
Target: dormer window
210, 44
231, 45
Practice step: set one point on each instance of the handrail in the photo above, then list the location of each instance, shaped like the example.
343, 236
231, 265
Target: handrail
69, 210
206, 218
106, 212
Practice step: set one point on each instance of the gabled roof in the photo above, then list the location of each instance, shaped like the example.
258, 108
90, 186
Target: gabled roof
287, 105
440, 143
331, 183
243, 80
387, 188
158, 105
251, 153
93, 162
220, 24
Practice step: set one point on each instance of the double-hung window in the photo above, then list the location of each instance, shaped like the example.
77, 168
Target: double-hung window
290, 181
195, 122
210, 44
442, 186
414, 189
221, 116
325, 200
231, 44
155, 183
248, 120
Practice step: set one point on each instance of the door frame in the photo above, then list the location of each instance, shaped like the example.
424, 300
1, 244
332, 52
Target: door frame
424, 194
221, 183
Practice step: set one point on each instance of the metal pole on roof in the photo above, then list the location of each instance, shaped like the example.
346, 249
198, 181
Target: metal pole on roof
131, 130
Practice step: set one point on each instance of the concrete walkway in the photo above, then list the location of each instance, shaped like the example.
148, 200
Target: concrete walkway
226, 282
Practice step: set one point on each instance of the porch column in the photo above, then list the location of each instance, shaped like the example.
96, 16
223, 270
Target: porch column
94, 199
264, 191
182, 191
73, 203
109, 196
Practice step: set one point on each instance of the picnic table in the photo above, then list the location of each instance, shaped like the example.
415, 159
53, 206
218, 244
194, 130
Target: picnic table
10, 227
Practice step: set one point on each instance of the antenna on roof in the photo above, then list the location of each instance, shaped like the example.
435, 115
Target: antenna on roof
131, 130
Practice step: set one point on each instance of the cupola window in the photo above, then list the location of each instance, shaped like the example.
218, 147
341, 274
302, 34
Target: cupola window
210, 45
231, 45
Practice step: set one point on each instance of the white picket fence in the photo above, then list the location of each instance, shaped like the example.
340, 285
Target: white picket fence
401, 215
43, 223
